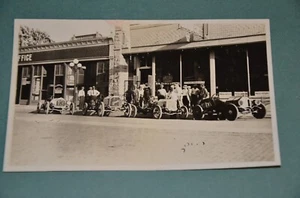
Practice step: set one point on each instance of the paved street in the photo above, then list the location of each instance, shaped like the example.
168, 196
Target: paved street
62, 140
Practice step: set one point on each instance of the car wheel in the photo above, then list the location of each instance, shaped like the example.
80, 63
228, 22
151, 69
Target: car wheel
198, 112
231, 113
184, 112
127, 111
259, 112
72, 109
133, 111
84, 109
101, 109
38, 110
47, 108
157, 112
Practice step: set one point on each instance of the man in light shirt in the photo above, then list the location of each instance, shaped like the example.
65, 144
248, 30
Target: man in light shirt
81, 96
95, 92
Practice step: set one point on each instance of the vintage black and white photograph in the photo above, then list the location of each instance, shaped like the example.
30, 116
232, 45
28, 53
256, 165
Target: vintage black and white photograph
141, 95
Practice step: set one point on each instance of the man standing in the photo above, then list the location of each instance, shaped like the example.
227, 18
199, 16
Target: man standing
81, 95
203, 93
95, 92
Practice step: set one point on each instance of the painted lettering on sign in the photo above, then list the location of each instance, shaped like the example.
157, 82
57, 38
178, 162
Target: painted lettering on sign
25, 57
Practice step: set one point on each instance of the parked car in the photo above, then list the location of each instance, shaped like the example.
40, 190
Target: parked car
169, 107
230, 109
118, 103
94, 105
59, 105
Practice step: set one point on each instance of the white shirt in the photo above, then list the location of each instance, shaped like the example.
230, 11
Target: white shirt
95, 92
81, 93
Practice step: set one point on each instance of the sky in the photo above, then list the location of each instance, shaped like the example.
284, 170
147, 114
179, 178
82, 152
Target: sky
63, 30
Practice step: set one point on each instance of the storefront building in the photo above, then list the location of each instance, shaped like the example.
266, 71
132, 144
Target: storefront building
230, 58
44, 71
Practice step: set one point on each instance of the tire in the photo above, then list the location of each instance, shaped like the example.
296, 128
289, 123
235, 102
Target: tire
157, 112
133, 111
184, 112
198, 112
127, 111
231, 112
101, 110
259, 112
84, 110
47, 108
106, 113
38, 110
72, 109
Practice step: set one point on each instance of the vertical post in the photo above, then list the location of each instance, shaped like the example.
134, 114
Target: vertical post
180, 69
65, 80
54, 81
31, 84
137, 66
42, 82
75, 87
22, 74
212, 65
248, 73
153, 75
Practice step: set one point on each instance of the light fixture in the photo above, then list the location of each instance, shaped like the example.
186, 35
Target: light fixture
72, 64
79, 65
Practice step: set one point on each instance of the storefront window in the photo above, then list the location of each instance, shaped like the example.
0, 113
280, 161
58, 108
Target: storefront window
100, 68
37, 71
26, 72
59, 70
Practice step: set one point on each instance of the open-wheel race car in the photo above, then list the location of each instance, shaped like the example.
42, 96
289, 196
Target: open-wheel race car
94, 105
117, 103
169, 107
59, 105
230, 109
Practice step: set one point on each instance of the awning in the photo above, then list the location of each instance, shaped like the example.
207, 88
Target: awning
199, 44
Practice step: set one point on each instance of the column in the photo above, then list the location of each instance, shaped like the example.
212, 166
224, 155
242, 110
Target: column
180, 69
137, 67
248, 73
65, 80
153, 75
54, 81
42, 82
21, 85
212, 66
31, 84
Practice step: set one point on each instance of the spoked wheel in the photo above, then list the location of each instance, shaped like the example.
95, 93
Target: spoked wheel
72, 108
47, 108
84, 109
101, 109
259, 112
231, 112
133, 111
157, 112
184, 112
127, 111
38, 109
198, 112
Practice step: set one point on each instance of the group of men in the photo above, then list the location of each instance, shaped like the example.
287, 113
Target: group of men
188, 96
92, 93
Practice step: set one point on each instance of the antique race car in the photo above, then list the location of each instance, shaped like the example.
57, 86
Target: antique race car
93, 105
169, 107
117, 103
59, 105
146, 108
231, 109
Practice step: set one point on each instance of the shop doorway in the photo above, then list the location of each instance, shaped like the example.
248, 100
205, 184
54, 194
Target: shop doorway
145, 73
